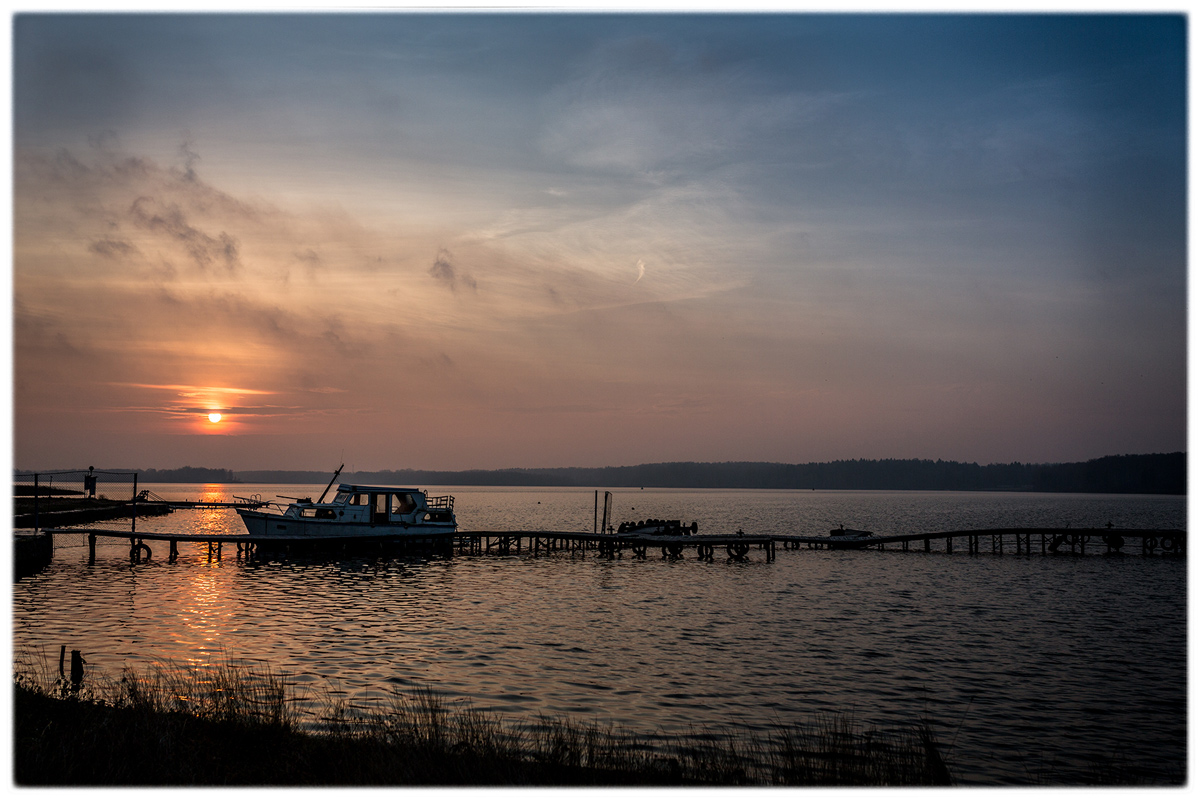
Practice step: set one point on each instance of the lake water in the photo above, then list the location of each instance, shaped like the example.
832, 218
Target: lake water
1026, 666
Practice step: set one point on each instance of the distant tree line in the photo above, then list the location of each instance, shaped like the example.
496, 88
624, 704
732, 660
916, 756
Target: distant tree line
1158, 473
187, 475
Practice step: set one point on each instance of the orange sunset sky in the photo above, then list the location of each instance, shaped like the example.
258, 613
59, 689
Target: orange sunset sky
454, 241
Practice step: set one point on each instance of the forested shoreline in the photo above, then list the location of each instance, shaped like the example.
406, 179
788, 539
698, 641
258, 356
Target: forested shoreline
1157, 473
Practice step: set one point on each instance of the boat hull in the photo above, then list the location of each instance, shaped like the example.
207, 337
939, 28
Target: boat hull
262, 525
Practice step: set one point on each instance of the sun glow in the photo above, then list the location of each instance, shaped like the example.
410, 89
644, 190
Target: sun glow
214, 417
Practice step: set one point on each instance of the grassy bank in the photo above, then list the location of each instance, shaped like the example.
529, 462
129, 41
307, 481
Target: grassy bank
226, 726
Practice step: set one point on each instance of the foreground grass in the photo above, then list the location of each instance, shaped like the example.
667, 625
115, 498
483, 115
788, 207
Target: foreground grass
226, 726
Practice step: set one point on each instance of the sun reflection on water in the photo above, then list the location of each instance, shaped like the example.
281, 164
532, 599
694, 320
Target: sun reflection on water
205, 609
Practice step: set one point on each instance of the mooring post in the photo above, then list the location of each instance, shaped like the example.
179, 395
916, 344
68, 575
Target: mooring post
927, 546
77, 663
35, 502
91, 548
133, 512
62, 656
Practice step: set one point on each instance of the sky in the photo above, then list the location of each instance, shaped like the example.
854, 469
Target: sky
480, 241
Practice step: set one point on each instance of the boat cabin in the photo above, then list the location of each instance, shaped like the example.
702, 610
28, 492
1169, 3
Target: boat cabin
379, 505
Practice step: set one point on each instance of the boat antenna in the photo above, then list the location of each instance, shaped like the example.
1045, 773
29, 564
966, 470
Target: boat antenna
331, 480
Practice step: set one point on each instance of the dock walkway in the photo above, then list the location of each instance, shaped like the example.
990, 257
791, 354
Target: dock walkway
998, 541
1046, 541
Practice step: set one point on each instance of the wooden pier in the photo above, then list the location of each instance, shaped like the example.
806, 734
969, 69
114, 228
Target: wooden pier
245, 544
1017, 541
737, 547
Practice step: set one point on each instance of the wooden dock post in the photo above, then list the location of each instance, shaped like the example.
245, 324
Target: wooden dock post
91, 548
77, 663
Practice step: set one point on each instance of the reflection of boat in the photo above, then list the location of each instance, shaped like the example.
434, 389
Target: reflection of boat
846, 537
356, 512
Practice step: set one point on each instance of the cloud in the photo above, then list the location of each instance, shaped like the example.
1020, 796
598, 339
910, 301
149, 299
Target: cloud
112, 248
444, 271
169, 219
309, 257
185, 390
188, 152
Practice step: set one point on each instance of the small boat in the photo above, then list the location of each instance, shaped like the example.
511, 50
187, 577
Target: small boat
355, 512
663, 527
849, 533
848, 537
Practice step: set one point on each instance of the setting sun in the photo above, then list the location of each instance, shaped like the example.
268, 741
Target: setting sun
214, 417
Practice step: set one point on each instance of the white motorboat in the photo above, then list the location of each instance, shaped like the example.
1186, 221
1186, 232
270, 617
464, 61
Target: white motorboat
355, 512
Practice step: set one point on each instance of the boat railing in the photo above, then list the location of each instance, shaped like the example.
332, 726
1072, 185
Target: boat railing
445, 501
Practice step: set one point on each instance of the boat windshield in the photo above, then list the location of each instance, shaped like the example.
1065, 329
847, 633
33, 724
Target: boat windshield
342, 498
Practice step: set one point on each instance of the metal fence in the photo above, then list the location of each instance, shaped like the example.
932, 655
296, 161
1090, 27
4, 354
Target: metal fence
66, 497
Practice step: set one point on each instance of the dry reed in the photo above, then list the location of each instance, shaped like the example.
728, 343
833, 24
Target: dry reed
242, 715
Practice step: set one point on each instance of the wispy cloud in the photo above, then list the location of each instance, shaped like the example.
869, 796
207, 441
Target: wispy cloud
193, 391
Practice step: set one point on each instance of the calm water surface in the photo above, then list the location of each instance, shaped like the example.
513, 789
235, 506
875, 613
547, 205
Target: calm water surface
1025, 665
